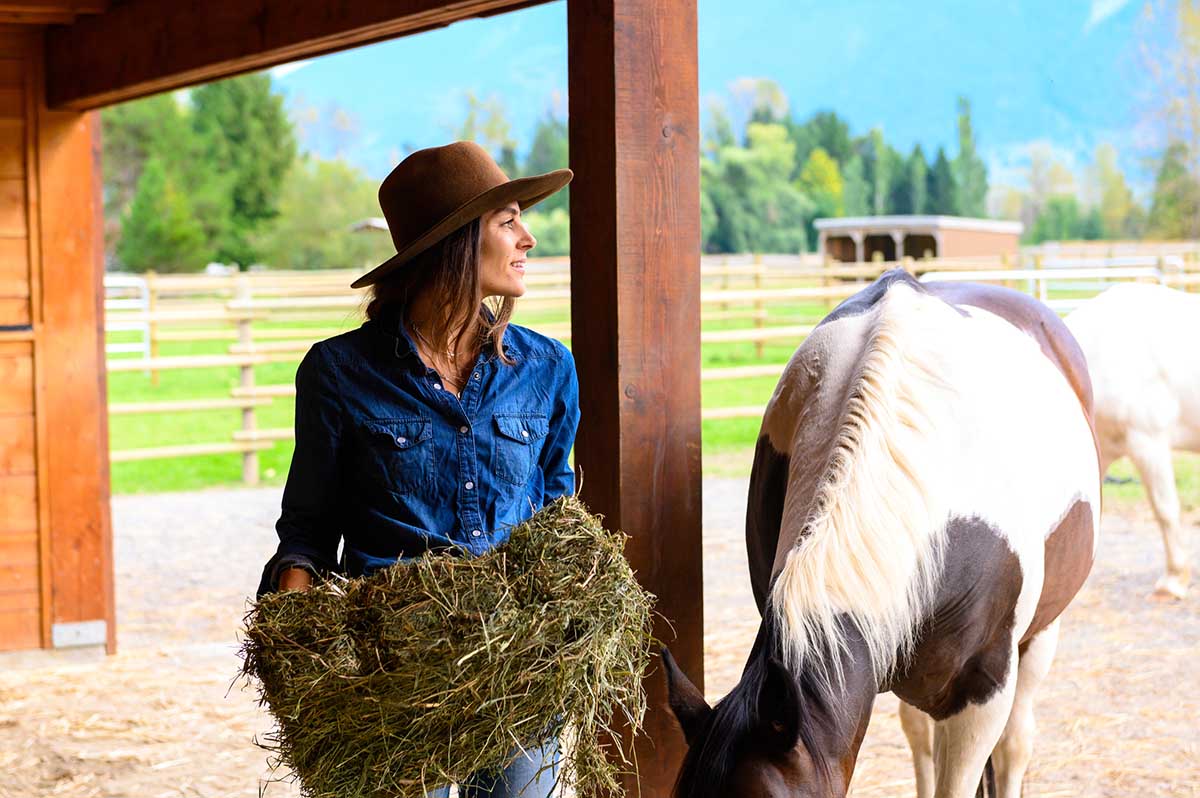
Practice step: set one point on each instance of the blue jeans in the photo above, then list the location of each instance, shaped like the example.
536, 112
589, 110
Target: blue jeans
531, 775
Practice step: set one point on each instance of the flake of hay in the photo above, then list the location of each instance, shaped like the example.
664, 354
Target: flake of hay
428, 671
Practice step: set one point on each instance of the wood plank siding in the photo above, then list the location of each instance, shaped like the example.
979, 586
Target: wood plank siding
55, 540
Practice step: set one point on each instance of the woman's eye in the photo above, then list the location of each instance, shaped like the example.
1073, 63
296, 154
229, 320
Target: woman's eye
509, 223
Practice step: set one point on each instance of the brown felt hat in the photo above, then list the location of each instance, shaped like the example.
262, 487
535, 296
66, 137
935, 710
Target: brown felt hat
433, 192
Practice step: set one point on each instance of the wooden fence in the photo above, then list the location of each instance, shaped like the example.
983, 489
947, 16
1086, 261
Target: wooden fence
269, 317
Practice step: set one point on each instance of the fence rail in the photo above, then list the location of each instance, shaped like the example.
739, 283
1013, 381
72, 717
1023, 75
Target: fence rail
258, 316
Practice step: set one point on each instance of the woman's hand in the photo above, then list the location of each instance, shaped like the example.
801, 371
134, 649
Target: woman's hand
295, 579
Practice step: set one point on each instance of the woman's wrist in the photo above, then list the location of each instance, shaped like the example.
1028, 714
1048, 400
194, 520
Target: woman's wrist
295, 579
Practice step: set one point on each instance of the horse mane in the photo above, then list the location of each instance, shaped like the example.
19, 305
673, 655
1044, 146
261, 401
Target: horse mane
869, 549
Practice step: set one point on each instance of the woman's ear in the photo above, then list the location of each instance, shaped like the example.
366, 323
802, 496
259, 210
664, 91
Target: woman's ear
686, 702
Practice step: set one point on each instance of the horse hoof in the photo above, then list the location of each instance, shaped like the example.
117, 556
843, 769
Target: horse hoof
1170, 587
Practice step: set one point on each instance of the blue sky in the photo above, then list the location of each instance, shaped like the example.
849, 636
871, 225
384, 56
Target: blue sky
1065, 73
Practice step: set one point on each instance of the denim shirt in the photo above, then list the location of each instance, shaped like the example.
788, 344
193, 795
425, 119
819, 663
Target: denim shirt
391, 463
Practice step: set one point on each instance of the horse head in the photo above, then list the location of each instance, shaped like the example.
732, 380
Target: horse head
763, 740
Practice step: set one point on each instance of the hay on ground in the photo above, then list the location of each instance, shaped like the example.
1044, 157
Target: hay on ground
428, 671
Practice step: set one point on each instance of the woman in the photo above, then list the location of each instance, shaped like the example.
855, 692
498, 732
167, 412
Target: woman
436, 424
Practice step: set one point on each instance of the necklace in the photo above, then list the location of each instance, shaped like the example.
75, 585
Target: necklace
450, 353
451, 375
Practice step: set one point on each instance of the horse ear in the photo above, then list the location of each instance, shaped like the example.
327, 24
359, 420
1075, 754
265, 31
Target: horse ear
778, 711
689, 706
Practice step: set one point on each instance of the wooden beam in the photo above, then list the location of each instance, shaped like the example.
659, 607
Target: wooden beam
143, 47
635, 313
48, 12
55, 7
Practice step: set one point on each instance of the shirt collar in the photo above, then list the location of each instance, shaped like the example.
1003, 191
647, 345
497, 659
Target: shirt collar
392, 323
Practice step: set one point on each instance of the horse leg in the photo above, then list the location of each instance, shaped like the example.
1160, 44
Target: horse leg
962, 743
1012, 754
918, 728
1152, 457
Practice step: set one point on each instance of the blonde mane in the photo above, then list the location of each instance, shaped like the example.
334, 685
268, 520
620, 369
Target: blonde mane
869, 552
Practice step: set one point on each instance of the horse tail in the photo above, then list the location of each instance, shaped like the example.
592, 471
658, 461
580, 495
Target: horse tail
987, 782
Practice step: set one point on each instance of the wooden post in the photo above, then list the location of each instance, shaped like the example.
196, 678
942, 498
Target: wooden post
725, 284
65, 181
825, 265
1043, 291
759, 308
635, 315
245, 294
152, 326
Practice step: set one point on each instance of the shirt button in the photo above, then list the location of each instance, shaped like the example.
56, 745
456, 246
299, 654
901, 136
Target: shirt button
476, 375
475, 533
401, 440
437, 387
525, 433
469, 485
464, 429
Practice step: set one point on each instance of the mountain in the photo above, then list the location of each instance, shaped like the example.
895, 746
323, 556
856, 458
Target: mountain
1063, 73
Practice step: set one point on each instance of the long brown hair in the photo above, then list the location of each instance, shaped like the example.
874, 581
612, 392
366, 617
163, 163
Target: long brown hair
449, 271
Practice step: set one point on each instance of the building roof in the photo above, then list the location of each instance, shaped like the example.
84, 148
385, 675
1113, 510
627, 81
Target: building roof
912, 223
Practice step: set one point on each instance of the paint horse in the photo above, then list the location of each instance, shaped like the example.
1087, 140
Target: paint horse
1140, 344
923, 506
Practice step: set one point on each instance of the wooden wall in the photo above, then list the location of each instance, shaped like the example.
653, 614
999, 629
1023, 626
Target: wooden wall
55, 536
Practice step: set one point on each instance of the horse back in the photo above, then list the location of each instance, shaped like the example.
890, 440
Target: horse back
788, 452
1035, 320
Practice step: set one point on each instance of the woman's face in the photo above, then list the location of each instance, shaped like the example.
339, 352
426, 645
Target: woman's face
506, 240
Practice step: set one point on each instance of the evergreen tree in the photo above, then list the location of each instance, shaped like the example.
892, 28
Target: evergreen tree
1175, 210
826, 130
856, 192
942, 192
158, 231
970, 173
319, 204
246, 140
547, 153
917, 171
132, 133
878, 173
757, 209
1060, 220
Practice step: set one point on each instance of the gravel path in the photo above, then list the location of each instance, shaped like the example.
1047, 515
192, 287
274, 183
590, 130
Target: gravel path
1119, 714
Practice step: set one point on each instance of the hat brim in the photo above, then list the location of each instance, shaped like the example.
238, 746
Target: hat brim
525, 191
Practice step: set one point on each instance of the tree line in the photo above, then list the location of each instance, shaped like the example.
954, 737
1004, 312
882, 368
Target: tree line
218, 175
762, 191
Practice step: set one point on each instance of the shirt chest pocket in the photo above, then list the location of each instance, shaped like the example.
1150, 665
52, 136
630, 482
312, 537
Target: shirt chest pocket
519, 438
398, 452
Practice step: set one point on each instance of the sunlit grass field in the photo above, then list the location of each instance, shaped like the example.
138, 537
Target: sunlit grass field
727, 443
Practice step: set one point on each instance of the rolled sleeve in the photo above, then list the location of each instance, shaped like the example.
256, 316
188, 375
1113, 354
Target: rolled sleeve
557, 473
309, 528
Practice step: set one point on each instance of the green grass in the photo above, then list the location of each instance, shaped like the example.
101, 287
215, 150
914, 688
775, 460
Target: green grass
1187, 481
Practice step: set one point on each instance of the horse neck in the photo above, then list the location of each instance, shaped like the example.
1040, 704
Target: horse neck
834, 714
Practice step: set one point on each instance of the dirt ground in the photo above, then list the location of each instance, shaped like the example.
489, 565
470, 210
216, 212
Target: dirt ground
1119, 715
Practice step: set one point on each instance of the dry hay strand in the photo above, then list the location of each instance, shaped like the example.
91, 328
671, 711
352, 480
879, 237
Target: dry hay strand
428, 671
